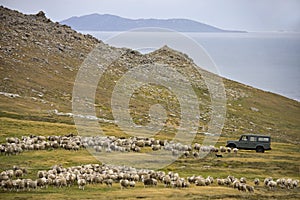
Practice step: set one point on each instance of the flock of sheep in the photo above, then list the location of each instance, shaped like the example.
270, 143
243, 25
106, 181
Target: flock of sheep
126, 177
15, 145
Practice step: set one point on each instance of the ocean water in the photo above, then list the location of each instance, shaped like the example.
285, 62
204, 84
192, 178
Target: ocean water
268, 61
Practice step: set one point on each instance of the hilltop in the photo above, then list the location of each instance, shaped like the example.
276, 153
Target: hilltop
107, 22
40, 60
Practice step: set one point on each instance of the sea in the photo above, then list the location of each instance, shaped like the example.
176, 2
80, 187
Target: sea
266, 60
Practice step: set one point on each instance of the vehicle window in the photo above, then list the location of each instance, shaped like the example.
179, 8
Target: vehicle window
263, 139
244, 138
253, 139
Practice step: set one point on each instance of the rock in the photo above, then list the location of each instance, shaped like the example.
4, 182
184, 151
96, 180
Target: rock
254, 109
41, 14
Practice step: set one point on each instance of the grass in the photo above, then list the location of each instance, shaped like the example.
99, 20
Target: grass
281, 161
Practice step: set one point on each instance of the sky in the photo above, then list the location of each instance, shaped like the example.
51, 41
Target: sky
247, 15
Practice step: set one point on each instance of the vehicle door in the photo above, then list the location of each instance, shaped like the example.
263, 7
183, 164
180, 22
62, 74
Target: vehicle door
243, 142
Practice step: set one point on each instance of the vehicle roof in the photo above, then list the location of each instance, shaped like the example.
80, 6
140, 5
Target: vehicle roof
256, 135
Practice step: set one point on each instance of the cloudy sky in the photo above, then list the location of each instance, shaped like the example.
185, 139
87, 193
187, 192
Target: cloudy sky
249, 15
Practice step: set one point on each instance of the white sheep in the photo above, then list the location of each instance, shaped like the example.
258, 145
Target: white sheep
81, 183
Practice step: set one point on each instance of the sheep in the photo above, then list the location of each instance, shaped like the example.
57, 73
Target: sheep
132, 183
124, 183
108, 182
200, 182
228, 149
267, 180
32, 184
256, 181
295, 183
18, 173
222, 149
81, 183
42, 182
250, 188
235, 150
167, 180
242, 187
272, 185
236, 184
149, 182
220, 181
155, 147
243, 180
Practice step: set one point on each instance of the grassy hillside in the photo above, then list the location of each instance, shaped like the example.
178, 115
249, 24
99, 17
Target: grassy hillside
39, 60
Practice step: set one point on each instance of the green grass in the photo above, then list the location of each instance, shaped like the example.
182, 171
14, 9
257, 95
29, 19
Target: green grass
281, 161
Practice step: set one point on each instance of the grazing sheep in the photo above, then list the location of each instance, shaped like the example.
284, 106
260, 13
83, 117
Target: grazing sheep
222, 149
272, 185
228, 149
32, 184
200, 181
256, 182
81, 183
108, 182
167, 180
243, 180
236, 184
18, 173
235, 150
150, 182
220, 181
132, 183
250, 188
267, 180
242, 187
155, 147
124, 183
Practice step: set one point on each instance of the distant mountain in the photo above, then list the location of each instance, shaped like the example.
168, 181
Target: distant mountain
106, 22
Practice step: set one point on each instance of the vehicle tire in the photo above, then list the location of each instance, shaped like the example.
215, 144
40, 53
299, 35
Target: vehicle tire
260, 149
231, 146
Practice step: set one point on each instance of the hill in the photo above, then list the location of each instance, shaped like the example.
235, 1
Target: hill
40, 63
106, 22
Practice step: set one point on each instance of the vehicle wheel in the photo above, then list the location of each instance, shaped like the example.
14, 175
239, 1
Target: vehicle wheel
231, 145
260, 149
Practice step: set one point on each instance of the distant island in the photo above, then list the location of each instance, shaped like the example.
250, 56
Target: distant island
107, 22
